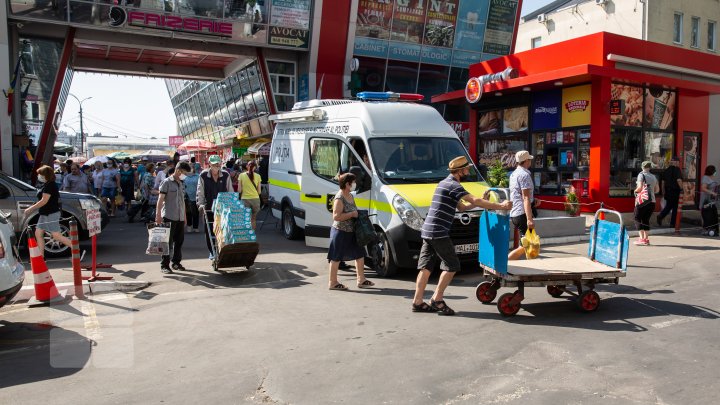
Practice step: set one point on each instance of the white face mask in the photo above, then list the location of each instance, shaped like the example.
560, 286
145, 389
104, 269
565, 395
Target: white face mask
183, 177
126, 166
353, 187
41, 178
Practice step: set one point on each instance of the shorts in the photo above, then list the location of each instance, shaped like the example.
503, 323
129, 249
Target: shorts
49, 223
520, 223
254, 204
442, 248
108, 192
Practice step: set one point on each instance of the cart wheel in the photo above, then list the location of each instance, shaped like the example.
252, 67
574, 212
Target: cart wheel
555, 290
588, 301
215, 265
485, 292
504, 306
247, 267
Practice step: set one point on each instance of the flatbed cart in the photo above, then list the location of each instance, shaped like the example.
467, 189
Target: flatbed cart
605, 263
232, 256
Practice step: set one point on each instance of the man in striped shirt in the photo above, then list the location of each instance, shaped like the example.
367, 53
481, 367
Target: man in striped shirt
449, 196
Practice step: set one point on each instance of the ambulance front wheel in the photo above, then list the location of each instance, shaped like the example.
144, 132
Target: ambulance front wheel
382, 258
290, 229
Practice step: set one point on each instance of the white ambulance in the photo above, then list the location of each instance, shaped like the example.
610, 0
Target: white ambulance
399, 152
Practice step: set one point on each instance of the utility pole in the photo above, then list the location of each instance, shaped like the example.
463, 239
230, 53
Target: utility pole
82, 129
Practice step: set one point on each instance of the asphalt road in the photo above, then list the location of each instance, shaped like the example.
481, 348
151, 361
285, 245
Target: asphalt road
275, 334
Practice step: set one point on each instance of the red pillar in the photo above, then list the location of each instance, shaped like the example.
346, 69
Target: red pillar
600, 140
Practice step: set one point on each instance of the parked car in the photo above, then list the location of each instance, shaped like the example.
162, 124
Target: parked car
16, 196
12, 272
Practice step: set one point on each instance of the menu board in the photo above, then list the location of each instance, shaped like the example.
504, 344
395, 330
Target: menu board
408, 21
440, 24
290, 13
515, 119
490, 123
373, 19
500, 26
629, 99
659, 109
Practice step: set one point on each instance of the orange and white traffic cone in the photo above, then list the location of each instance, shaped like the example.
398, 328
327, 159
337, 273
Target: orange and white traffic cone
45, 290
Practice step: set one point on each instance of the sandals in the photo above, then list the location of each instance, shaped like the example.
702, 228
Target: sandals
441, 307
338, 287
366, 284
422, 308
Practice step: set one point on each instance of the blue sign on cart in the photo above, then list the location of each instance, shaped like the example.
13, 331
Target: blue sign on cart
493, 242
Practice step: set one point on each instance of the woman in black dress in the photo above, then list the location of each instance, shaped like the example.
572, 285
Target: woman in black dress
48, 207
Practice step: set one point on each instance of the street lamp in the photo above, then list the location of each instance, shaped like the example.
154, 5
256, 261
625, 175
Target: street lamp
82, 133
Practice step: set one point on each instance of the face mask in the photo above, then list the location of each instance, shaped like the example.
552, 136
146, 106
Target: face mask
126, 166
353, 187
41, 178
183, 177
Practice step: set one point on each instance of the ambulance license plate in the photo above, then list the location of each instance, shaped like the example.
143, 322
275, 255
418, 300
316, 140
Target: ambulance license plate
469, 248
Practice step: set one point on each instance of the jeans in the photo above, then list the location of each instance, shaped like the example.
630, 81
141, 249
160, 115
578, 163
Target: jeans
672, 197
177, 237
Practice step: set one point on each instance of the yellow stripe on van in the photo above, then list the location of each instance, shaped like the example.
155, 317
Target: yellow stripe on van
420, 195
284, 184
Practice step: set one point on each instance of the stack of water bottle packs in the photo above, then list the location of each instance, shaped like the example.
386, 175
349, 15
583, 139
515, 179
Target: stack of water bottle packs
232, 220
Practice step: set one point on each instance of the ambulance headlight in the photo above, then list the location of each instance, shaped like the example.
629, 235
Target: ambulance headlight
408, 213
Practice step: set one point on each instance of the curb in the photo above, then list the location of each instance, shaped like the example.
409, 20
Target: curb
27, 293
560, 240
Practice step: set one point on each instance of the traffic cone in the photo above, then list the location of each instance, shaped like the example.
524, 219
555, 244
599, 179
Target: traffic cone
45, 291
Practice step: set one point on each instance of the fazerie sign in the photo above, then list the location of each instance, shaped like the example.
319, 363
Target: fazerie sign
119, 16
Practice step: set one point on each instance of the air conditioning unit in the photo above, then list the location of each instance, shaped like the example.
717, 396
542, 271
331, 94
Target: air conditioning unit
601, 2
541, 18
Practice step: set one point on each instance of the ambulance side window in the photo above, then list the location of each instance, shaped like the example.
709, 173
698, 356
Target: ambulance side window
325, 158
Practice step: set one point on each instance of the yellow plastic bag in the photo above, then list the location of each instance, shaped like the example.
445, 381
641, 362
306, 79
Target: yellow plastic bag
531, 243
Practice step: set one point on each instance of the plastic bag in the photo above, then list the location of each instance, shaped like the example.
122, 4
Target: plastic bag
158, 239
531, 243
364, 231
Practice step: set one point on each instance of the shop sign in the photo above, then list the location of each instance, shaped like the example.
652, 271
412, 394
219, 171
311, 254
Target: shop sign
465, 59
94, 220
546, 110
405, 52
576, 109
408, 21
118, 16
440, 24
33, 131
435, 55
471, 21
291, 13
373, 19
500, 26
373, 48
626, 105
175, 141
616, 107
462, 129
293, 37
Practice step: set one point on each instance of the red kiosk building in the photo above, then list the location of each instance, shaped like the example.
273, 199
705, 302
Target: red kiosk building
594, 108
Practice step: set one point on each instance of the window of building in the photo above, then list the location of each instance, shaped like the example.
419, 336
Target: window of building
695, 33
711, 35
282, 83
433, 81
677, 28
401, 77
535, 42
371, 72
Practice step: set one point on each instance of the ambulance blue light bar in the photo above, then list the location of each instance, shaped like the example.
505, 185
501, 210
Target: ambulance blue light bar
389, 96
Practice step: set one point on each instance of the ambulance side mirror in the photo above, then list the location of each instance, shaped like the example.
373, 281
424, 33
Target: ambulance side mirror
362, 178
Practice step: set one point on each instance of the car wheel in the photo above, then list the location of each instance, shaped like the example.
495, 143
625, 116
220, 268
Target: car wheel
383, 262
55, 248
290, 229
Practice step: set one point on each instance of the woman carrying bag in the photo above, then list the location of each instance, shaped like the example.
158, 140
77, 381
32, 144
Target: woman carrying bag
343, 242
48, 207
647, 186
249, 189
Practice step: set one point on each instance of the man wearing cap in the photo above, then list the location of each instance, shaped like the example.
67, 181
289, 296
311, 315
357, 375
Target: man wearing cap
671, 188
212, 181
449, 196
521, 195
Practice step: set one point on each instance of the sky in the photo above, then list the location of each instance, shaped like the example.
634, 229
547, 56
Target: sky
138, 107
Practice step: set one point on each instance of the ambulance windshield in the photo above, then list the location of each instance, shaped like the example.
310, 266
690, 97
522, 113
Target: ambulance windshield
416, 159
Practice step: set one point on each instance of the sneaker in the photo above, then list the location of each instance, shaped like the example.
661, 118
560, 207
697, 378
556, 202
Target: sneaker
189, 229
211, 257
642, 242
166, 270
178, 266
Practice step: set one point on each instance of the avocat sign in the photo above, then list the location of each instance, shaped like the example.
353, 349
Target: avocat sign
294, 37
176, 23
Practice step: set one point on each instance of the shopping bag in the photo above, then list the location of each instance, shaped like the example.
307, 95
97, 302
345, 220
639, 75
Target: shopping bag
119, 200
364, 231
531, 243
158, 239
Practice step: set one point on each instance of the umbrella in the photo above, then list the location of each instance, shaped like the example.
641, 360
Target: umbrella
152, 155
63, 148
119, 155
196, 144
101, 159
